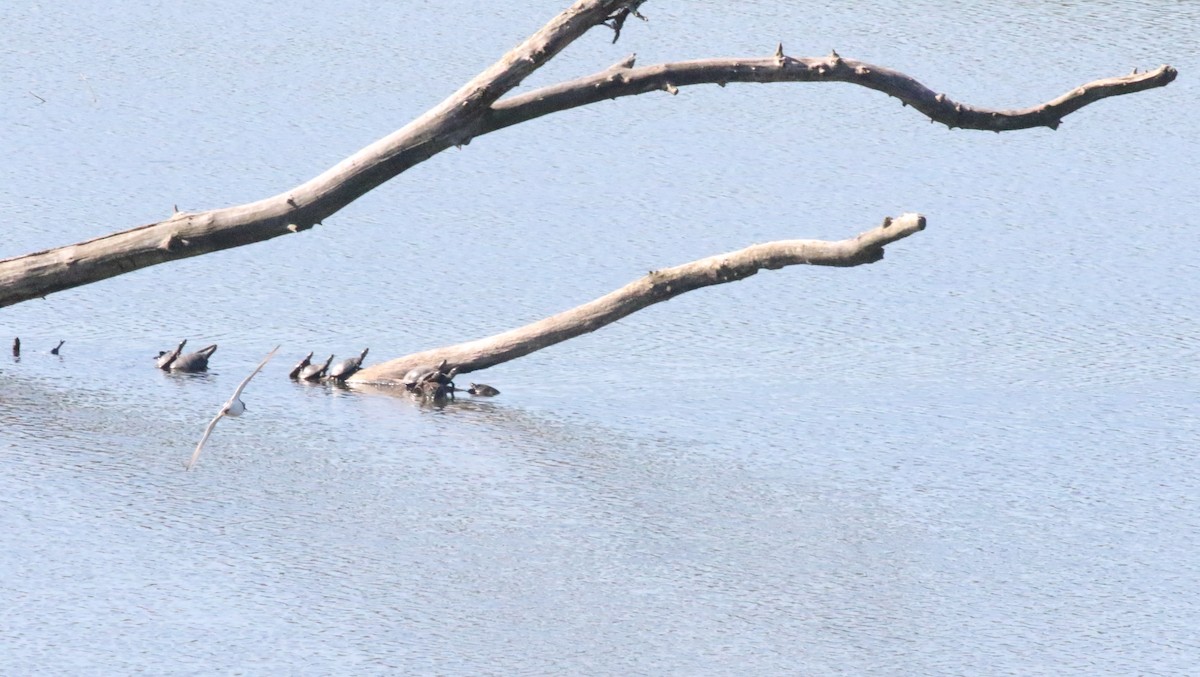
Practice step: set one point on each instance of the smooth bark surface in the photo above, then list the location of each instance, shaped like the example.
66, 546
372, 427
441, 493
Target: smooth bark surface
477, 108
655, 287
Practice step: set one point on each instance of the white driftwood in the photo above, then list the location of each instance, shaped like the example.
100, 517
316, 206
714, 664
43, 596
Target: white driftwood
655, 287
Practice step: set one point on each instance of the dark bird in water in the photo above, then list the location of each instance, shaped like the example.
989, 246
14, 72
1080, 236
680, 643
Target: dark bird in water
314, 372
482, 390
347, 368
55, 349
167, 357
193, 362
16, 347
189, 363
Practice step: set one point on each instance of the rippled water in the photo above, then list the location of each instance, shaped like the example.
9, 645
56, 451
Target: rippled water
975, 457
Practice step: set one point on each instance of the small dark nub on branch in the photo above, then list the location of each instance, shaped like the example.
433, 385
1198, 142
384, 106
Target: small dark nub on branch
627, 62
173, 242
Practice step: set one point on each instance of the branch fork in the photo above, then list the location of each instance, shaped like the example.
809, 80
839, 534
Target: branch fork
482, 106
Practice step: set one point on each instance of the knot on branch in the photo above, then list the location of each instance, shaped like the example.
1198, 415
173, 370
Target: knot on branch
173, 243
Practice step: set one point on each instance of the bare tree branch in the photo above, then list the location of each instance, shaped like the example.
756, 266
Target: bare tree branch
191, 234
476, 109
655, 287
623, 79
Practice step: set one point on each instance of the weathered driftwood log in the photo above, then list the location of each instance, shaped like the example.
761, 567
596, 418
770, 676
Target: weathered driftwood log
477, 109
655, 287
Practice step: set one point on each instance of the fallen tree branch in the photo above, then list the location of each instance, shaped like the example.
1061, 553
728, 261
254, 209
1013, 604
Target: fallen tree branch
655, 287
475, 109
623, 79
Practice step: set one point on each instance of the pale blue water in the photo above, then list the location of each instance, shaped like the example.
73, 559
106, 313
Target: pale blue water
976, 457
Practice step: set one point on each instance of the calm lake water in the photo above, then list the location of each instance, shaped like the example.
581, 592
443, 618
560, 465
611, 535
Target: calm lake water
977, 457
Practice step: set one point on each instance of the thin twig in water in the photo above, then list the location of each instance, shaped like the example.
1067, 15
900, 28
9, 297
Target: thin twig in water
83, 77
233, 407
37, 97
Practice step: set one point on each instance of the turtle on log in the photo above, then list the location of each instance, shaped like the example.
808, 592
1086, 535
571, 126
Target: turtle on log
346, 368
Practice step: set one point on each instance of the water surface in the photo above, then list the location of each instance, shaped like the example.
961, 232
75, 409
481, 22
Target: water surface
975, 457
